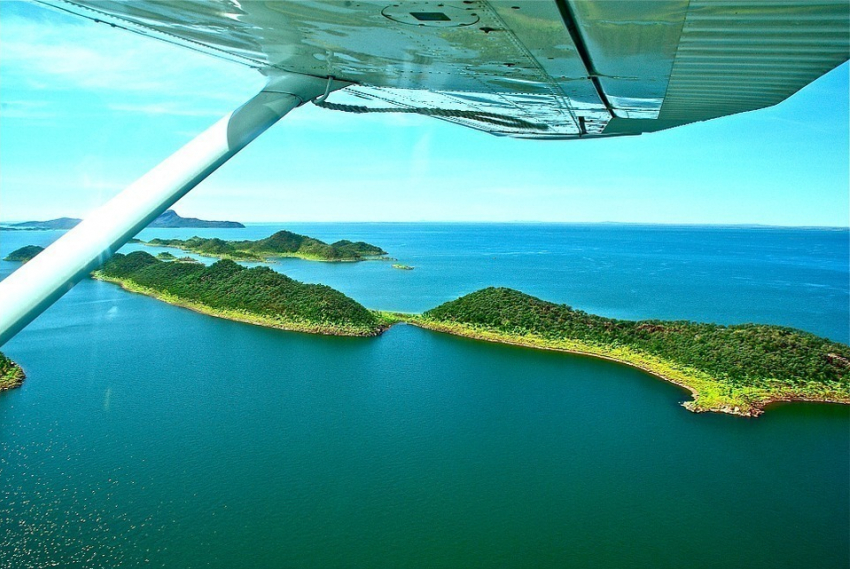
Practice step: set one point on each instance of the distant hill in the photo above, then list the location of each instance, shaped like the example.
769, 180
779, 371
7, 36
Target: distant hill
169, 219
60, 223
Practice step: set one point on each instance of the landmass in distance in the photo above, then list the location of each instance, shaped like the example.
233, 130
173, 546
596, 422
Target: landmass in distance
169, 219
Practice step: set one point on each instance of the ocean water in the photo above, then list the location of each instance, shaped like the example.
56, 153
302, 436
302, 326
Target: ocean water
149, 435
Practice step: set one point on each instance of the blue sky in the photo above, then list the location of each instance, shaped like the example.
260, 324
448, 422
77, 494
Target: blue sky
86, 109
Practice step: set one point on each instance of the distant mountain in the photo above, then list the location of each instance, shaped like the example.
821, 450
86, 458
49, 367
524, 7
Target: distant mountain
61, 223
169, 219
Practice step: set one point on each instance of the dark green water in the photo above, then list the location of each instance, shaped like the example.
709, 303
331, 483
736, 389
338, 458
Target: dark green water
148, 435
171, 438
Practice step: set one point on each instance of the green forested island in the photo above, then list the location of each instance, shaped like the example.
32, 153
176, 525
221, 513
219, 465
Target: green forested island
281, 244
735, 369
24, 254
228, 290
11, 374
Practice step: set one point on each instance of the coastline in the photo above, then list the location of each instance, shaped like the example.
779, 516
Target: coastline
243, 316
708, 393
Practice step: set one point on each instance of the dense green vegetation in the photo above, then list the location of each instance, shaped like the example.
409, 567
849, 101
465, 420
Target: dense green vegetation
258, 295
740, 366
281, 244
24, 254
165, 256
11, 374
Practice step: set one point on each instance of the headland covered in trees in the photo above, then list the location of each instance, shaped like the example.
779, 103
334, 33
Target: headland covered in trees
229, 290
281, 244
732, 369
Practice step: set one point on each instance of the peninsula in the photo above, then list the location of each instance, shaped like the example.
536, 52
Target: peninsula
732, 369
257, 296
24, 254
169, 219
11, 374
281, 244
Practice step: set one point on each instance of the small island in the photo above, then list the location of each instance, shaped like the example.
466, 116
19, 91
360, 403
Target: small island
402, 267
257, 296
169, 219
732, 369
24, 254
166, 256
11, 374
281, 244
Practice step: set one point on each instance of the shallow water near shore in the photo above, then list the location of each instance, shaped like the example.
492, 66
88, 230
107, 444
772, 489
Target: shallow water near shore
147, 434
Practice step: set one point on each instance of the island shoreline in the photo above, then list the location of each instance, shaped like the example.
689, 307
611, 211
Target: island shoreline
247, 317
268, 260
754, 409
278, 245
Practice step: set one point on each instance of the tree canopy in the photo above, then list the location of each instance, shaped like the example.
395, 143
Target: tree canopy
745, 354
260, 290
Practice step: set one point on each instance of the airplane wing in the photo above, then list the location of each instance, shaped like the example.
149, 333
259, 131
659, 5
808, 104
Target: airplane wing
525, 68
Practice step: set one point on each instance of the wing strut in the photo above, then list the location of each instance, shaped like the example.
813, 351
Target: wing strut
32, 288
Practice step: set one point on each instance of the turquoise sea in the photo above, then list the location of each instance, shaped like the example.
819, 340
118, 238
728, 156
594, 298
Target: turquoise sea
149, 435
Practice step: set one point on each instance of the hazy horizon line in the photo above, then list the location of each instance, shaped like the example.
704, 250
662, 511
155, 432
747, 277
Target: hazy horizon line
515, 222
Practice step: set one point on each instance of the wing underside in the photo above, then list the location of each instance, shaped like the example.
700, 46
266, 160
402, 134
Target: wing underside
522, 68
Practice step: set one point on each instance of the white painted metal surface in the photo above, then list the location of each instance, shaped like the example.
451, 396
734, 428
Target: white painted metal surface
558, 68
36, 285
